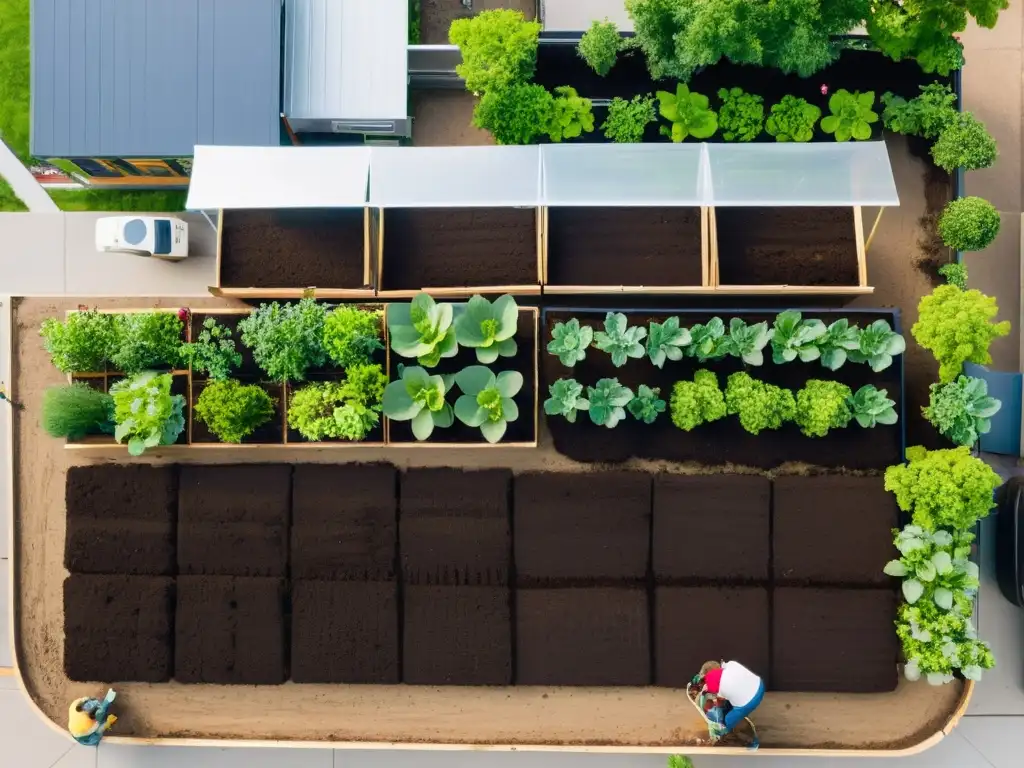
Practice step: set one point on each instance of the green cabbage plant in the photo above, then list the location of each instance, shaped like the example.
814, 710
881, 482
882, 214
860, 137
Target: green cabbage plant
821, 406
935, 566
571, 115
793, 119
146, 414
620, 341
759, 405
423, 329
486, 400
741, 116
876, 346
839, 339
793, 337
871, 406
666, 341
646, 404
697, 402
956, 326
961, 410
419, 397
569, 342
566, 400
608, 401
488, 328
747, 342
938, 643
689, 113
851, 116
707, 341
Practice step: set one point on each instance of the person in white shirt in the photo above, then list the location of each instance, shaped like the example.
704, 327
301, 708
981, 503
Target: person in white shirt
735, 683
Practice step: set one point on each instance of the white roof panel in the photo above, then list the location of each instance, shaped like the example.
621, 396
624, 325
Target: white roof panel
455, 177
279, 177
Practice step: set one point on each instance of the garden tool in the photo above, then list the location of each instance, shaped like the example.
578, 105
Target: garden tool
89, 719
714, 708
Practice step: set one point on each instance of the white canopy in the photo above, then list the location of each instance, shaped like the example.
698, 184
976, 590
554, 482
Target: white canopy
278, 177
455, 177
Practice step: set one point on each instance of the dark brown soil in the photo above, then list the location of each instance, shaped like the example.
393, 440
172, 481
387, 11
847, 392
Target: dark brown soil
711, 527
455, 527
233, 520
248, 371
230, 631
344, 522
624, 246
457, 636
698, 624
571, 527
833, 530
592, 636
834, 640
121, 519
723, 441
522, 430
786, 246
118, 628
345, 632
440, 248
300, 248
272, 432
436, 16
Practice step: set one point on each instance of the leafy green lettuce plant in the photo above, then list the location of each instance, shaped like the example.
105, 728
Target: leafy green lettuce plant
938, 643
352, 335
759, 405
423, 329
646, 404
233, 410
689, 113
418, 397
286, 339
741, 116
599, 46
956, 327
620, 341
793, 119
146, 414
571, 115
566, 400
608, 401
325, 410
961, 410
955, 273
488, 328
935, 567
627, 120
518, 114
747, 342
82, 343
145, 340
486, 400
667, 341
707, 341
213, 353
876, 346
964, 143
851, 116
498, 49
696, 402
793, 337
569, 342
838, 341
969, 224
924, 115
871, 406
821, 406
76, 410
947, 488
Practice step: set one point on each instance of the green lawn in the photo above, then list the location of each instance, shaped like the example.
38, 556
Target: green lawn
117, 200
8, 200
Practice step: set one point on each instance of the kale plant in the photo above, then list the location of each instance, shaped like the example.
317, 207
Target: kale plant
741, 116
486, 400
213, 353
851, 116
964, 143
233, 410
620, 341
871, 406
962, 409
935, 566
696, 402
423, 329
76, 410
877, 344
145, 340
793, 119
839, 339
646, 404
793, 337
667, 341
419, 397
689, 113
566, 400
627, 120
821, 406
571, 115
925, 115
82, 343
747, 342
286, 339
759, 405
569, 342
146, 414
607, 402
708, 341
599, 46
352, 335
488, 328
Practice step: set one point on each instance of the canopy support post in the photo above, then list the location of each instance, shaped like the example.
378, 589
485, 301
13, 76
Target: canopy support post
874, 228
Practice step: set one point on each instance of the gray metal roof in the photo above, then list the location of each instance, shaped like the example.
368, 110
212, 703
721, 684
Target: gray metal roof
153, 78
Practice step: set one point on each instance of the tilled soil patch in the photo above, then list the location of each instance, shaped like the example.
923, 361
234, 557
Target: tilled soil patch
624, 246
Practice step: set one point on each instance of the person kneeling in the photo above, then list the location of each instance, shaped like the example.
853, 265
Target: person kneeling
738, 685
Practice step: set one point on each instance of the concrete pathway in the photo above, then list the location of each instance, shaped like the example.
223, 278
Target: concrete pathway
24, 184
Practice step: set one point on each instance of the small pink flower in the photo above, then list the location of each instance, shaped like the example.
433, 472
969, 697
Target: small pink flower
824, 89
183, 314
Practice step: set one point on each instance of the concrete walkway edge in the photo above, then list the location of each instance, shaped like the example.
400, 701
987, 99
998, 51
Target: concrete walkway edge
24, 184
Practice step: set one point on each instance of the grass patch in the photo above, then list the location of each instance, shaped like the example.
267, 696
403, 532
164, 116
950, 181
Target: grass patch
9, 202
118, 200
15, 76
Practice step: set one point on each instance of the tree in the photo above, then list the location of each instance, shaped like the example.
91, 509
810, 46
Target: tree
519, 114
499, 49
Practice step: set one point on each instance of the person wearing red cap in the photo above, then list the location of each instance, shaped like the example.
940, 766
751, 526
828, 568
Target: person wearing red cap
738, 685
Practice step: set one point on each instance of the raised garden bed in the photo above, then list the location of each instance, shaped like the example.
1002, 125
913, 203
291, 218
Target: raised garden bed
278, 254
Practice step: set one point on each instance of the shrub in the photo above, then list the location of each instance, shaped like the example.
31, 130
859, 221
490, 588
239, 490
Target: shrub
233, 410
871, 406
608, 400
423, 329
566, 400
145, 340
82, 343
488, 328
937, 643
518, 114
955, 274
498, 47
418, 397
851, 116
77, 410
956, 326
821, 406
689, 113
599, 46
286, 339
571, 115
969, 224
569, 342
925, 115
793, 119
741, 116
327, 410
696, 402
667, 341
213, 353
947, 488
620, 341
964, 143
352, 335
486, 401
646, 404
146, 414
760, 406
961, 410
627, 120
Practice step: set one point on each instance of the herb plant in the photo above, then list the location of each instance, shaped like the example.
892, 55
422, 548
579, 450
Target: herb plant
961, 410
876, 346
488, 328
741, 116
423, 329
620, 341
146, 414
627, 120
233, 410
82, 343
566, 400
420, 398
793, 337
213, 353
334, 410
646, 404
364, 384
955, 273
793, 119
747, 342
851, 116
76, 410
925, 115
937, 643
821, 406
486, 400
569, 342
707, 341
145, 340
689, 113
571, 115
871, 406
964, 143
666, 341
839, 339
969, 224
759, 405
935, 566
956, 326
286, 339
352, 335
498, 49
599, 46
947, 488
608, 400
696, 402
518, 114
